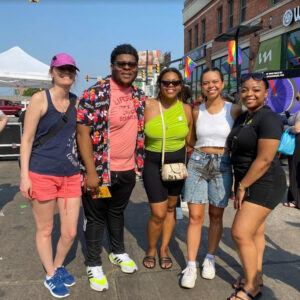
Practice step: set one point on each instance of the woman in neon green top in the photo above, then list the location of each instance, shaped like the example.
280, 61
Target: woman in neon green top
162, 195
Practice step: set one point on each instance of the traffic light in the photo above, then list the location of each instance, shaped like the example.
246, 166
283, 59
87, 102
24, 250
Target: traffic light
87, 77
143, 73
158, 68
35, 1
150, 69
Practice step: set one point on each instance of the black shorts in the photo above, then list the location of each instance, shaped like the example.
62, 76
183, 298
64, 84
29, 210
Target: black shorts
156, 189
267, 192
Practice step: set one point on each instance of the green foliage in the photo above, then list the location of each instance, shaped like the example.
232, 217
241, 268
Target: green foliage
30, 91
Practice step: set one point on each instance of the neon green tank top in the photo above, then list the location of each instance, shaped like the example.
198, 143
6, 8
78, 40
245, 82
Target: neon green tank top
176, 126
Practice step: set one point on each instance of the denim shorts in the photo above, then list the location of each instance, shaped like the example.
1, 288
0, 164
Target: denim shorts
209, 180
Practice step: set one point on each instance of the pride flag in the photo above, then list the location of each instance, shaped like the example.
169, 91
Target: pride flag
189, 67
292, 56
232, 55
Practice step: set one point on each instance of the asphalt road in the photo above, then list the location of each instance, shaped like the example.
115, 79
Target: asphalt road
22, 275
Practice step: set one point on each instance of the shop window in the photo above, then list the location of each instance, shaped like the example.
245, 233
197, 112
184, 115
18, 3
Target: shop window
196, 32
220, 20
190, 40
293, 50
243, 4
194, 84
230, 13
195, 81
229, 71
203, 31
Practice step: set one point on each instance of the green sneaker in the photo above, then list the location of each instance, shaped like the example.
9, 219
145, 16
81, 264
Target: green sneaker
123, 260
97, 279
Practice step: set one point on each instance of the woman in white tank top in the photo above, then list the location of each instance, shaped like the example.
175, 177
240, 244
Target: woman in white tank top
210, 173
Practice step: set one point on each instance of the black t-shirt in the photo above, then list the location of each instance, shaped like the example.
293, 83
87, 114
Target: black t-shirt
243, 139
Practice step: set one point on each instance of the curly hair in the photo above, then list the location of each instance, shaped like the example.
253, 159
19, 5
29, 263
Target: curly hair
123, 49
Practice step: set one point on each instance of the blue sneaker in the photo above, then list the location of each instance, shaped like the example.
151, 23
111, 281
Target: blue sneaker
65, 276
56, 287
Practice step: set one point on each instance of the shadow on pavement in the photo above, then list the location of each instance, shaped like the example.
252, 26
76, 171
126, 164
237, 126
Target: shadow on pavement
7, 193
271, 268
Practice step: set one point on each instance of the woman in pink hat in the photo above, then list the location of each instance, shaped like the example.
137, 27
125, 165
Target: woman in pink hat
50, 169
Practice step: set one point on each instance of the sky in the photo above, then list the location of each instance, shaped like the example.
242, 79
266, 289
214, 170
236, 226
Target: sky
90, 29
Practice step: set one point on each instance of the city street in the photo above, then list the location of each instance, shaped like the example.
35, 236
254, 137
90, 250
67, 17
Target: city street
22, 274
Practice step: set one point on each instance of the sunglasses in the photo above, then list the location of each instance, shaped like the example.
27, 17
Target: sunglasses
168, 83
123, 64
255, 76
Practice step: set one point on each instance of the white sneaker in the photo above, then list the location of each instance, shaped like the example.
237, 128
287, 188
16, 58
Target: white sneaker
189, 277
209, 270
97, 279
123, 260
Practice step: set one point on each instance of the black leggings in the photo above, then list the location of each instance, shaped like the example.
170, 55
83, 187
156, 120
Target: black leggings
156, 189
110, 211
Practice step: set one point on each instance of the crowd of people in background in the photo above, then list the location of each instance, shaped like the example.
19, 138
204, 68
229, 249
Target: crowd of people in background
121, 135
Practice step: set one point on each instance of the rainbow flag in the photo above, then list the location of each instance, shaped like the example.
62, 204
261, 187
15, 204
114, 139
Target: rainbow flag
231, 53
292, 56
189, 67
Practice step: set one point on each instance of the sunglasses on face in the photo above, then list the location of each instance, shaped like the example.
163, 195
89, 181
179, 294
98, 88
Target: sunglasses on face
255, 76
123, 64
69, 69
168, 83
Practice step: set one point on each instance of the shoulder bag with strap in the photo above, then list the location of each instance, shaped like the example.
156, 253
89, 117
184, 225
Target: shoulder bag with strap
173, 171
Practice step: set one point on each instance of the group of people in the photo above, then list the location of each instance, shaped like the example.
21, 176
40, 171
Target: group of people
121, 134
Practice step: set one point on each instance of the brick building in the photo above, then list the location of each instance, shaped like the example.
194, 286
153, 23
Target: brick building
276, 46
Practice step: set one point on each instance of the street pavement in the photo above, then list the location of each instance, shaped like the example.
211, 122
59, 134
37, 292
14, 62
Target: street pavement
22, 275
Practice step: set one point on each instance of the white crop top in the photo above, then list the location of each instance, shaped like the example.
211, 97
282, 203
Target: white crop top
212, 129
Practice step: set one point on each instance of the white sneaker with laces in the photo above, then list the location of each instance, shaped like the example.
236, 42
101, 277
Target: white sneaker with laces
123, 260
209, 270
189, 277
97, 279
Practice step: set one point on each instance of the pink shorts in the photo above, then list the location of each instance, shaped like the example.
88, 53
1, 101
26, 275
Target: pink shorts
48, 187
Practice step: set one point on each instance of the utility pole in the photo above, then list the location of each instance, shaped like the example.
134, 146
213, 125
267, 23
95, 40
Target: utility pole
147, 62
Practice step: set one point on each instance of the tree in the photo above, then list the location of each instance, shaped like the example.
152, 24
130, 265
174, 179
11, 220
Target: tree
30, 91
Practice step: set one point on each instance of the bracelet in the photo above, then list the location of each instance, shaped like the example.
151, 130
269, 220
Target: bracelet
241, 187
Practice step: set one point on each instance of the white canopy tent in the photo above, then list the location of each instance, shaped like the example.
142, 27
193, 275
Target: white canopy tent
19, 69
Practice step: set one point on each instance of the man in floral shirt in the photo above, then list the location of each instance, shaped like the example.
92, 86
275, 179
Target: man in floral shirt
110, 136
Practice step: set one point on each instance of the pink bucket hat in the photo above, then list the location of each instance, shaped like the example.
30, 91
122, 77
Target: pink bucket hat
63, 59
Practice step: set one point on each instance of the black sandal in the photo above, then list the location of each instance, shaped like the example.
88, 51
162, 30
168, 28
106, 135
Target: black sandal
246, 293
149, 259
165, 260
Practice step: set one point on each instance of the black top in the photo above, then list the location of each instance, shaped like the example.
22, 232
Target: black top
243, 139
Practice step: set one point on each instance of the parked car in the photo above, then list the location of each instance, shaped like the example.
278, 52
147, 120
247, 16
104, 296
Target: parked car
11, 108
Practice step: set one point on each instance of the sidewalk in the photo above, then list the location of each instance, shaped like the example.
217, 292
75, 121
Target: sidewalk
22, 275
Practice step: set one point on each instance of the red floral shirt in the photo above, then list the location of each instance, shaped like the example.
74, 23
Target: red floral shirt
93, 112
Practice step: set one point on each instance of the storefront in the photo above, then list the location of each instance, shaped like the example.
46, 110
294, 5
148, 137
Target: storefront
276, 46
279, 53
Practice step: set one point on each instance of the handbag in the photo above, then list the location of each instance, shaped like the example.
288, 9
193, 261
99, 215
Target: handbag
172, 171
287, 143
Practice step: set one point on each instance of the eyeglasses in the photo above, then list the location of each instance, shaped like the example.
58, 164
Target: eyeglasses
168, 83
123, 64
255, 76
